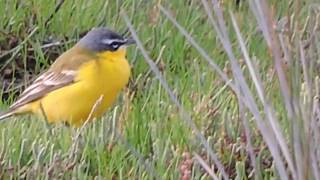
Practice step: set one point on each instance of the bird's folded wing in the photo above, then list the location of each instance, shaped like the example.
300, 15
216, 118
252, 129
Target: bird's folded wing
44, 84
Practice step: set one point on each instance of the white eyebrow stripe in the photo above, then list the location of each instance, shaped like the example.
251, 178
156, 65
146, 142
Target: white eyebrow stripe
110, 41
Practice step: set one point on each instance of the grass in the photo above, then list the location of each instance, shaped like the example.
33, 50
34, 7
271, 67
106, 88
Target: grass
146, 135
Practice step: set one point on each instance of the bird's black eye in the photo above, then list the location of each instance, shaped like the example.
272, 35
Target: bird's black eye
115, 45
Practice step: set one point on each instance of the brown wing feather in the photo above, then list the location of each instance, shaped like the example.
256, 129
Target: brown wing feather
45, 83
61, 73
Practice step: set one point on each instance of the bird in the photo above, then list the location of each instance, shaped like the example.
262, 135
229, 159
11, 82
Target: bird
81, 84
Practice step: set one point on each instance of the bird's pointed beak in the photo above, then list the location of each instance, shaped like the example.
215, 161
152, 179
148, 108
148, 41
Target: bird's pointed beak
130, 41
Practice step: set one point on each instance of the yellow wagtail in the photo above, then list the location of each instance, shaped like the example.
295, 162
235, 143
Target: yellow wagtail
96, 67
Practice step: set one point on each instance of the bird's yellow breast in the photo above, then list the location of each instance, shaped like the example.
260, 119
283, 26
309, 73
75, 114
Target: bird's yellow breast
105, 75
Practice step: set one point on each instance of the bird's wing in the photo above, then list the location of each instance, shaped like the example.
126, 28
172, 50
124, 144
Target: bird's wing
44, 84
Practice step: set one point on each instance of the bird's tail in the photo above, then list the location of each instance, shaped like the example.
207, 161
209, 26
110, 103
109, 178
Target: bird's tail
7, 114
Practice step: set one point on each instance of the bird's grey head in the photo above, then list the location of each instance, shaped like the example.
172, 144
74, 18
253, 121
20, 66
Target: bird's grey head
102, 39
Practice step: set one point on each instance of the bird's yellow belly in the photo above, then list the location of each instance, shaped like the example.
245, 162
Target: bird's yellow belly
73, 103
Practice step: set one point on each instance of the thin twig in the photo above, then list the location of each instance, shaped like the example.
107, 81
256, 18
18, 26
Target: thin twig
57, 43
147, 74
58, 6
185, 115
205, 166
93, 110
76, 137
